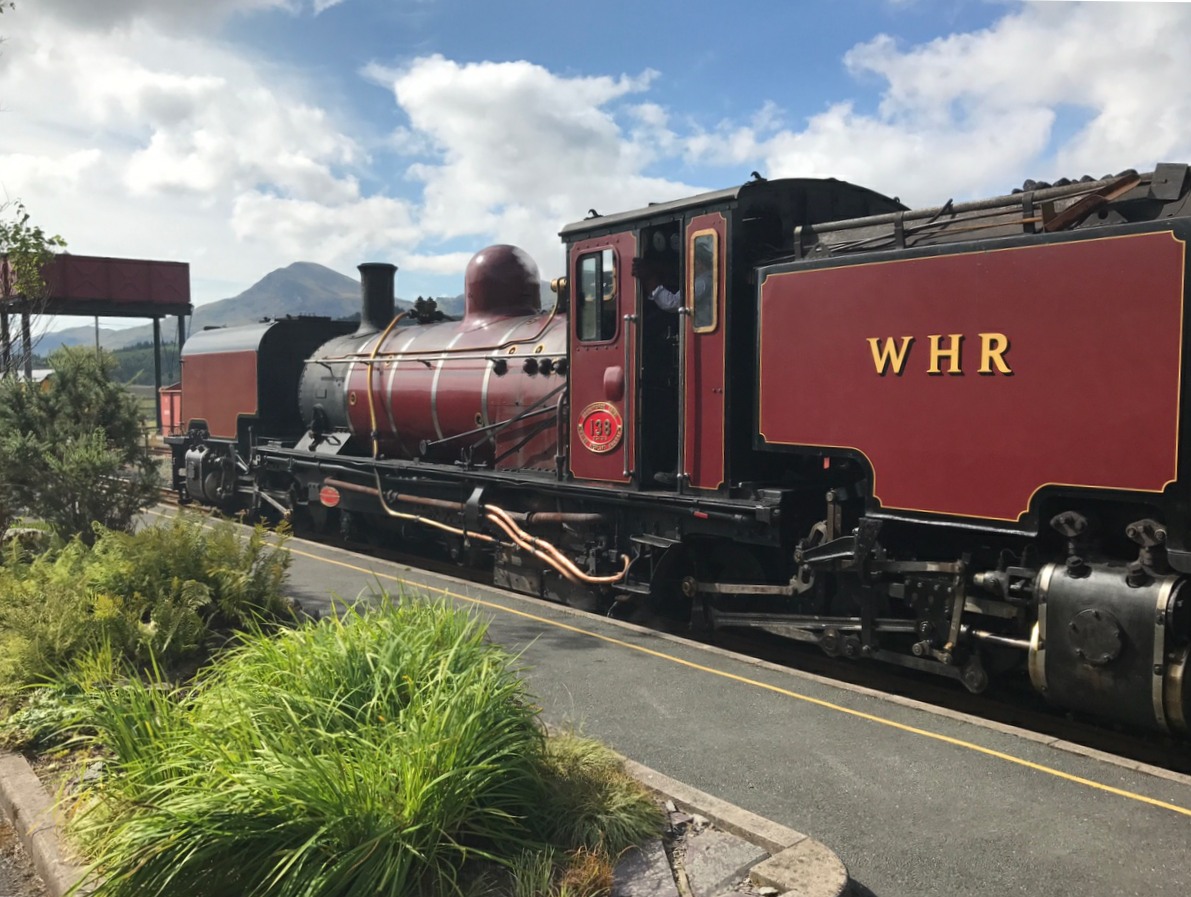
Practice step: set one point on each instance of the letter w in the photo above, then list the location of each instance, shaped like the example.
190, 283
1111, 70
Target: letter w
888, 355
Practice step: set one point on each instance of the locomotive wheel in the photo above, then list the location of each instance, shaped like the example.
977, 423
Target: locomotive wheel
322, 519
730, 562
667, 605
721, 562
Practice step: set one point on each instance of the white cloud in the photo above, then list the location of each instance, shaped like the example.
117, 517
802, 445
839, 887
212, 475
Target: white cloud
132, 138
444, 263
518, 151
167, 14
315, 230
61, 175
130, 128
967, 114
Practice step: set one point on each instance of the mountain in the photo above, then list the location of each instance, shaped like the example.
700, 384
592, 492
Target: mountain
75, 336
303, 288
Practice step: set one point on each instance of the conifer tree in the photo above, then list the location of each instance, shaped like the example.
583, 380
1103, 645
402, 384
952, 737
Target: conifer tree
72, 451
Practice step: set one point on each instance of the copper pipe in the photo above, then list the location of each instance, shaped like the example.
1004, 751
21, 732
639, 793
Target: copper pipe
534, 541
394, 497
546, 546
529, 518
416, 518
529, 549
539, 548
351, 487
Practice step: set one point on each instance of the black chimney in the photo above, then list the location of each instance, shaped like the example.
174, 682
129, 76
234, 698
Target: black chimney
376, 295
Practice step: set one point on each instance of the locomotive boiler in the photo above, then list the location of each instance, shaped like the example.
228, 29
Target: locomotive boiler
443, 391
948, 439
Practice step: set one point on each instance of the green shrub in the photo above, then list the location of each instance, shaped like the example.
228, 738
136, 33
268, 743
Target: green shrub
391, 751
160, 595
72, 453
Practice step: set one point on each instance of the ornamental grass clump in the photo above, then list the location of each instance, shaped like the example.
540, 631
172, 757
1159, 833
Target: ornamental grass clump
390, 751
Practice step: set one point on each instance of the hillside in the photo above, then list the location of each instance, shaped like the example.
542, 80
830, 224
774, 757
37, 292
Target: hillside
302, 288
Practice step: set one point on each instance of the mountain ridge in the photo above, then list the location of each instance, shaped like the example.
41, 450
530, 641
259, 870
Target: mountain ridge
299, 288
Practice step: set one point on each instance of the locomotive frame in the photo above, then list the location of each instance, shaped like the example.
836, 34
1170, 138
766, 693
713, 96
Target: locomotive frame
607, 452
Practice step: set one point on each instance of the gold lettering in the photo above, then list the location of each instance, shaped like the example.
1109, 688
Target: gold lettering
951, 353
993, 347
888, 355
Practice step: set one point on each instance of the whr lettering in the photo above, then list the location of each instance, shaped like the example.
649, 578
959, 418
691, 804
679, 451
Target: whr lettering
946, 354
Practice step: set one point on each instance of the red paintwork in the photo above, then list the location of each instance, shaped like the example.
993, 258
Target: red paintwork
421, 392
1095, 329
92, 285
703, 397
171, 409
594, 374
501, 281
219, 387
433, 382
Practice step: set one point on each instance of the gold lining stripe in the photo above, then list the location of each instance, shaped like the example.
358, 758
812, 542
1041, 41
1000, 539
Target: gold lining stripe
721, 275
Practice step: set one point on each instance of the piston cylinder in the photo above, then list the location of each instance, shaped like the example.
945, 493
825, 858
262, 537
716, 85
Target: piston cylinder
1112, 649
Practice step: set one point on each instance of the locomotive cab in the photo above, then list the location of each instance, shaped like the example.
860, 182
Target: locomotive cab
654, 403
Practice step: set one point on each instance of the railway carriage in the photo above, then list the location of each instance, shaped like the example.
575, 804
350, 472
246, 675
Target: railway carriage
949, 439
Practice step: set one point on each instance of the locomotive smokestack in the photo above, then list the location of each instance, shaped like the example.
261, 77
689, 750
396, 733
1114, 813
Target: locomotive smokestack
376, 296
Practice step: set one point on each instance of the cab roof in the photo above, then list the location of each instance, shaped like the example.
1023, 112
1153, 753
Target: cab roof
756, 189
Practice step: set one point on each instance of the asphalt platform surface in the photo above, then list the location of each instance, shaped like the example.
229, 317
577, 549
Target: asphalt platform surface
915, 801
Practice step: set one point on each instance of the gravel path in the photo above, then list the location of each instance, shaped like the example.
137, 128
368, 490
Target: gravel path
17, 878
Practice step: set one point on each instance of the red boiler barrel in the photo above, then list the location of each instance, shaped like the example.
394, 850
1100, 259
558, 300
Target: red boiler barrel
484, 389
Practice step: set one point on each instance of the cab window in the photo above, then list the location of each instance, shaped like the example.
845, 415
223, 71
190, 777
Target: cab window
705, 280
595, 298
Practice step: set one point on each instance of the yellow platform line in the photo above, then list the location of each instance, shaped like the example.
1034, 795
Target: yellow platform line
776, 689
818, 702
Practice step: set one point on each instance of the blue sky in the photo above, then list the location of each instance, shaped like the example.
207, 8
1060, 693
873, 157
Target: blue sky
242, 135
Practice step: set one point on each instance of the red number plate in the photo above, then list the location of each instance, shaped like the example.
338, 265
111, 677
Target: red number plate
600, 427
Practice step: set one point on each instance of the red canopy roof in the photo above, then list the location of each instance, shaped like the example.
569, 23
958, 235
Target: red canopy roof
110, 287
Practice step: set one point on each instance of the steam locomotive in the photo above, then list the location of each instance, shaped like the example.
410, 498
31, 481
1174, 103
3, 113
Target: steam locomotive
949, 439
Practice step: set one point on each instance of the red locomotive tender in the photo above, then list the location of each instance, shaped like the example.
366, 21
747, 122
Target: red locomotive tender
949, 439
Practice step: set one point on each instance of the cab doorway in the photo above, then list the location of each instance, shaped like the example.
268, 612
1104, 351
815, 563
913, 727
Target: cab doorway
659, 380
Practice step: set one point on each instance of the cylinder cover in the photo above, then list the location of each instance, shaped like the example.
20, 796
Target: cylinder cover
1108, 648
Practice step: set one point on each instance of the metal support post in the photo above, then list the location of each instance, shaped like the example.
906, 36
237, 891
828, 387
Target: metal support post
157, 369
5, 346
27, 343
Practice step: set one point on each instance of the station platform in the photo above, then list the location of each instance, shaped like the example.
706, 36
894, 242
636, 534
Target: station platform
915, 800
